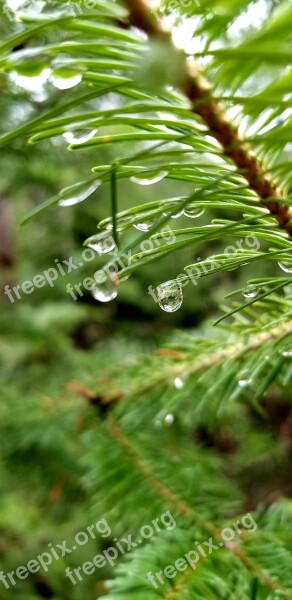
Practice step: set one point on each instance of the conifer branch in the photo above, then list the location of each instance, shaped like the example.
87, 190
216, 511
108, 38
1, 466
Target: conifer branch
231, 352
186, 511
199, 93
136, 461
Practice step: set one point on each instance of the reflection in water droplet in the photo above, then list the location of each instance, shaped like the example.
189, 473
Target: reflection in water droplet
177, 215
193, 211
251, 292
80, 136
79, 196
169, 419
178, 383
149, 180
105, 289
287, 353
102, 243
170, 296
144, 226
286, 266
65, 81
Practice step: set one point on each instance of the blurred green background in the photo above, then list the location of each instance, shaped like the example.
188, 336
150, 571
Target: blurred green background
52, 347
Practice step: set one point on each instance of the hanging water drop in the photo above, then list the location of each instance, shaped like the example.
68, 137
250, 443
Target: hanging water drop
80, 136
177, 215
286, 266
146, 226
170, 296
251, 292
244, 380
102, 243
64, 79
149, 180
193, 211
106, 288
178, 383
72, 197
31, 72
169, 419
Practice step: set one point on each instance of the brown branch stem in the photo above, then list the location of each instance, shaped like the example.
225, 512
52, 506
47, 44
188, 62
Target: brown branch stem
199, 93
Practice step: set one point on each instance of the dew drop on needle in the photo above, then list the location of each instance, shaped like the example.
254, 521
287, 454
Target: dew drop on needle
170, 296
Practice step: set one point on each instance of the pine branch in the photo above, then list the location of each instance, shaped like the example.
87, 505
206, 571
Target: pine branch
147, 474
187, 511
230, 352
198, 91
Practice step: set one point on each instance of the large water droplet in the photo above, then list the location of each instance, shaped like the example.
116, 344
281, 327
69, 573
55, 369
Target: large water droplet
106, 288
63, 79
169, 419
149, 180
144, 226
102, 243
71, 198
170, 296
287, 353
193, 211
286, 266
178, 383
80, 136
31, 82
251, 292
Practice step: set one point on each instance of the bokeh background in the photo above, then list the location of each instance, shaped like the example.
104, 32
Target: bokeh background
51, 347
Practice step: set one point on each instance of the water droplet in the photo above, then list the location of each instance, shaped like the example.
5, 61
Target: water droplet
169, 419
286, 266
177, 215
106, 288
170, 296
149, 180
63, 79
80, 136
251, 292
287, 353
193, 211
71, 198
243, 383
31, 83
102, 243
244, 380
178, 383
144, 226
